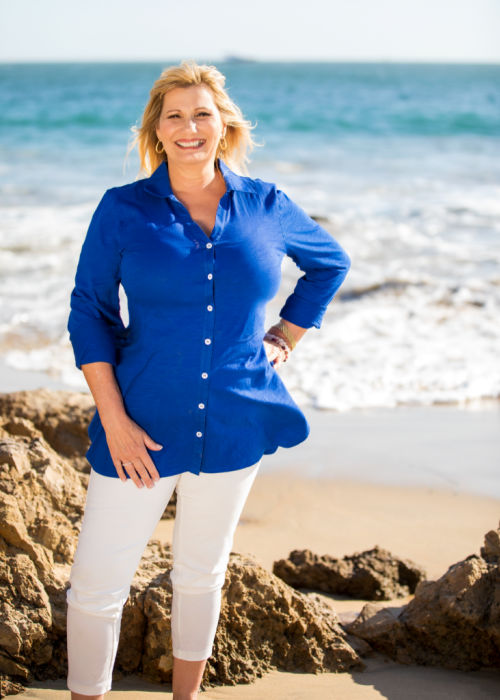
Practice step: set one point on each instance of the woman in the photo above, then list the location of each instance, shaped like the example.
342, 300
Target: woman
187, 396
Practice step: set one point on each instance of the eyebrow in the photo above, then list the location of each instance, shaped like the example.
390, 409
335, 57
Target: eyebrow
178, 109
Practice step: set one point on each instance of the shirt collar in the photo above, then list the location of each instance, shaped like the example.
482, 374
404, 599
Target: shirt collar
158, 183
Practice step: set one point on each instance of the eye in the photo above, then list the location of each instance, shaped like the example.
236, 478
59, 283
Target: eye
203, 114
172, 116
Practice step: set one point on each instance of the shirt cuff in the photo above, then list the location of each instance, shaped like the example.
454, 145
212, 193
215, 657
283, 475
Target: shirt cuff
302, 312
101, 354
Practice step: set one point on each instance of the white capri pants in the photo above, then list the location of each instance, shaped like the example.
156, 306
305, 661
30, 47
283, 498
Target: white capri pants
118, 521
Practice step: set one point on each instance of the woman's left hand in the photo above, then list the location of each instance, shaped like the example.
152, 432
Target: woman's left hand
274, 353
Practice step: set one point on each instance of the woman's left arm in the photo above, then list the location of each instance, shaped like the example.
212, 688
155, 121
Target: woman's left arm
325, 265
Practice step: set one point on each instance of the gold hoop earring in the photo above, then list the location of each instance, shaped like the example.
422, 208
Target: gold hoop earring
159, 143
223, 144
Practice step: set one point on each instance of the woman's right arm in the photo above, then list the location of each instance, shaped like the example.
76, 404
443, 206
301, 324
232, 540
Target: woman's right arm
126, 440
94, 323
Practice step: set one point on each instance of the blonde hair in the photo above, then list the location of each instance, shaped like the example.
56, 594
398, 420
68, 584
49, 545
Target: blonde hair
238, 133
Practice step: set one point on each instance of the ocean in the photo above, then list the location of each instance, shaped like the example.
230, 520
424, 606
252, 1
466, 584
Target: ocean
401, 162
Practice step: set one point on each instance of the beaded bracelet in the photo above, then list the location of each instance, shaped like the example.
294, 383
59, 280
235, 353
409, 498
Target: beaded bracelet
279, 342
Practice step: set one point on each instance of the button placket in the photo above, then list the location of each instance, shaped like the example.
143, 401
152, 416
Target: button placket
206, 354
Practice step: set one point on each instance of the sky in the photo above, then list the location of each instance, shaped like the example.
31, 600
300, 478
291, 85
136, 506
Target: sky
302, 30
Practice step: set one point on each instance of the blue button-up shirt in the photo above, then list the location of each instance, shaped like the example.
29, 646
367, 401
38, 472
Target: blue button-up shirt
191, 364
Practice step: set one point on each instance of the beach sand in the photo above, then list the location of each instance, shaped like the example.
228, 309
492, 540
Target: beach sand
381, 679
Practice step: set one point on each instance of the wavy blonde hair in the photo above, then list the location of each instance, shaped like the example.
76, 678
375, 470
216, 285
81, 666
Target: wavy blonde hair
238, 133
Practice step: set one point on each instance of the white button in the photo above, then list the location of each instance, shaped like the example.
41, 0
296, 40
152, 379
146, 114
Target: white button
204, 375
207, 341
209, 245
210, 307
198, 434
201, 405
209, 275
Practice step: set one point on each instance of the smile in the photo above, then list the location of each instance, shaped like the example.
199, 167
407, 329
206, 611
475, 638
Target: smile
195, 143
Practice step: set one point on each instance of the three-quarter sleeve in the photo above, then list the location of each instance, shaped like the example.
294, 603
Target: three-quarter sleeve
323, 261
94, 320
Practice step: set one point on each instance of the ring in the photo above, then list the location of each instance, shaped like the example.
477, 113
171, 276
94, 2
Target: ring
124, 463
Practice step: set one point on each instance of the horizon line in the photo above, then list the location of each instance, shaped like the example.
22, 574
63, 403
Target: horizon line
242, 60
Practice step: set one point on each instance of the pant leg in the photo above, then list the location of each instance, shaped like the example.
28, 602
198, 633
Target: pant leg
207, 514
118, 521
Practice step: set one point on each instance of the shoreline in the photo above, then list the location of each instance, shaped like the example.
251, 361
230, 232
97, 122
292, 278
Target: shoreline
441, 447
450, 447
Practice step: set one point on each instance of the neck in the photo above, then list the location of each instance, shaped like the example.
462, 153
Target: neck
192, 177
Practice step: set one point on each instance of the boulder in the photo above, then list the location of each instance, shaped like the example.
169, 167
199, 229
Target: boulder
490, 552
61, 417
264, 624
453, 622
41, 505
374, 574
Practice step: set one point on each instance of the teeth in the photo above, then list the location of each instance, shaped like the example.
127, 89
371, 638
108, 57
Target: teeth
189, 144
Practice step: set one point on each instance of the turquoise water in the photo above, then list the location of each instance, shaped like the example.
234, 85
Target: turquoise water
74, 120
401, 160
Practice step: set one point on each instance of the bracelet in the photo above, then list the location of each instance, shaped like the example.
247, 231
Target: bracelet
281, 326
279, 342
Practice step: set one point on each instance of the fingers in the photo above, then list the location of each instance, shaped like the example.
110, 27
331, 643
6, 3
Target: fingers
148, 464
149, 442
272, 351
146, 459
119, 469
275, 354
138, 473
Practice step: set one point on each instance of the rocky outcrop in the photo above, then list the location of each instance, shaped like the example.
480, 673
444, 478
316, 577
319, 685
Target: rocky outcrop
490, 552
374, 574
264, 623
452, 622
41, 504
267, 624
60, 417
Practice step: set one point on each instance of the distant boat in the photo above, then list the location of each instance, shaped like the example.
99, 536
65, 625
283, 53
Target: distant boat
231, 58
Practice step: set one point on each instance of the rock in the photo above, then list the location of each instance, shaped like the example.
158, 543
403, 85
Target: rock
41, 504
374, 621
264, 624
61, 417
9, 687
453, 622
491, 550
374, 574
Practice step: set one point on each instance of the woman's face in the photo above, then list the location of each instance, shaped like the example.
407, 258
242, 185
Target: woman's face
190, 125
